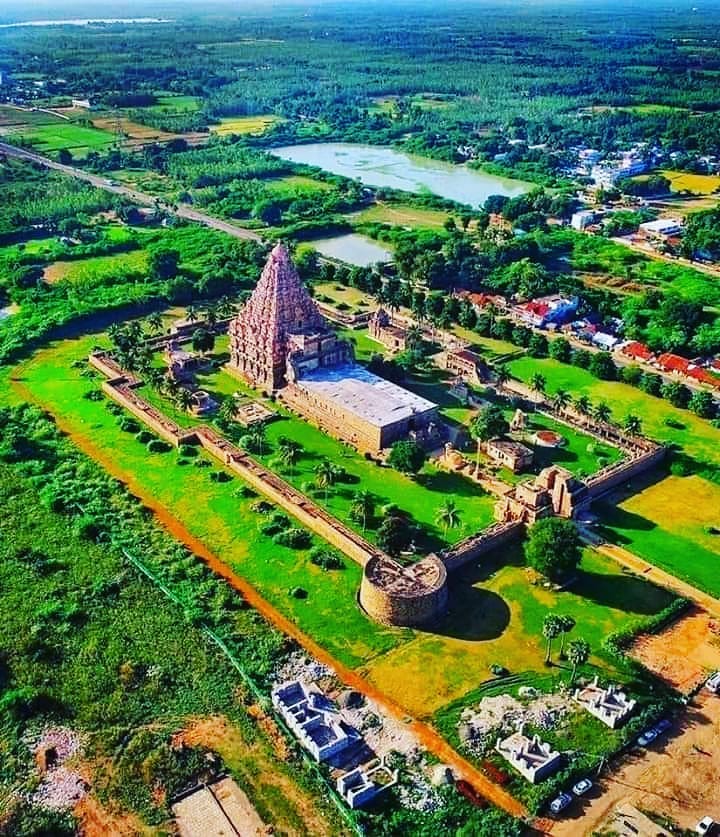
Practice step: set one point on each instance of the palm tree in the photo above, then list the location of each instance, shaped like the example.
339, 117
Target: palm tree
582, 405
633, 424
155, 322
538, 382
191, 314
502, 374
551, 630
578, 654
602, 412
225, 307
326, 474
184, 398
228, 409
413, 336
362, 506
289, 452
561, 400
211, 317
567, 623
257, 437
448, 515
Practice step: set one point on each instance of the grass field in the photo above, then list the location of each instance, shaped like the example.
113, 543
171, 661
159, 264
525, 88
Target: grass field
296, 182
13, 119
96, 268
245, 124
93, 640
699, 184
496, 617
75, 138
170, 103
671, 524
696, 437
356, 299
402, 215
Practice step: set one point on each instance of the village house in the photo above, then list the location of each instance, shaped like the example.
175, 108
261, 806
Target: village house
661, 229
480, 302
532, 758
637, 351
510, 454
541, 312
610, 705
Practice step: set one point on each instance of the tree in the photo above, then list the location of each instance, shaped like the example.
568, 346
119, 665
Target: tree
394, 535
203, 341
362, 506
559, 349
163, 263
256, 437
567, 623
551, 628
676, 393
326, 474
289, 452
602, 412
538, 382
578, 654
703, 404
488, 424
227, 410
582, 405
448, 515
561, 400
602, 366
406, 456
183, 398
155, 322
633, 424
538, 345
502, 374
553, 548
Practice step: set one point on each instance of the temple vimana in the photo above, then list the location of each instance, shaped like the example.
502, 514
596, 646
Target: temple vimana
280, 343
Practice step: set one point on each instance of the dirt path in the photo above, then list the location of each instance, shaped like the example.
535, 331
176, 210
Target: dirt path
678, 777
655, 574
425, 734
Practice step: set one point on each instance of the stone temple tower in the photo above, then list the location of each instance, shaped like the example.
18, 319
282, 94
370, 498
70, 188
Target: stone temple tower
279, 306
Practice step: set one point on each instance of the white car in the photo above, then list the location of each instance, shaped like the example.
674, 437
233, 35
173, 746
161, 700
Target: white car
712, 684
705, 825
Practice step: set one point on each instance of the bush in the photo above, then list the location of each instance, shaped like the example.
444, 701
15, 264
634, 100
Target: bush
298, 593
145, 436
94, 395
220, 476
293, 538
129, 425
246, 491
262, 507
158, 446
202, 463
326, 558
188, 451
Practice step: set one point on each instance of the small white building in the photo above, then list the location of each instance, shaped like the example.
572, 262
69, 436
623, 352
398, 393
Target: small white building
532, 758
582, 220
611, 705
662, 228
360, 786
314, 719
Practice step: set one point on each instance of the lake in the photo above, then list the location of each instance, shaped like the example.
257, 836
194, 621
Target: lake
380, 166
353, 249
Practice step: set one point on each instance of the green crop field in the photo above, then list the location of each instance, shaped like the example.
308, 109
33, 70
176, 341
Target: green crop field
67, 135
402, 215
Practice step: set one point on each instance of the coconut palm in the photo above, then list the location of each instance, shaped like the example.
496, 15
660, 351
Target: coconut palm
578, 654
362, 506
184, 398
289, 452
567, 623
191, 314
154, 322
551, 630
633, 424
414, 336
228, 409
211, 316
538, 382
502, 374
326, 474
448, 515
582, 405
256, 435
561, 400
602, 412
225, 307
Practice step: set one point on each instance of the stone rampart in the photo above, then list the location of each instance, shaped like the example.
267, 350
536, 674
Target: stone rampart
404, 596
613, 475
479, 544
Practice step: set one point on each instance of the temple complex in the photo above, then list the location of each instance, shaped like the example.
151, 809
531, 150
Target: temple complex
280, 342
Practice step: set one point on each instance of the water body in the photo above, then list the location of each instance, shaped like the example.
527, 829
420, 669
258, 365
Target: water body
380, 166
353, 249
84, 21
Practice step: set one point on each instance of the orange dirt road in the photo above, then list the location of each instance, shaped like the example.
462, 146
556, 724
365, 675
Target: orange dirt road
424, 733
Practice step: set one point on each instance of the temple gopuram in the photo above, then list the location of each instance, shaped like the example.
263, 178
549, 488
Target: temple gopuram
280, 343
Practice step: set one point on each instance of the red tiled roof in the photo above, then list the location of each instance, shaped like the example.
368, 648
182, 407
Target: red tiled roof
539, 308
673, 363
704, 376
637, 350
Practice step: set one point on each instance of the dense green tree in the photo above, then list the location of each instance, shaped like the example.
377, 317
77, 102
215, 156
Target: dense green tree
407, 456
553, 548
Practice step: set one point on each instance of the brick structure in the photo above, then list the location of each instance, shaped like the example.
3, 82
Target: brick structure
382, 329
404, 596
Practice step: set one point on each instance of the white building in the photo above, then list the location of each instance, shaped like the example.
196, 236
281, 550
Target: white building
582, 219
663, 227
611, 706
532, 758
360, 786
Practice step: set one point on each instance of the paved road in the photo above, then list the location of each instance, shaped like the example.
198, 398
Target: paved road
183, 210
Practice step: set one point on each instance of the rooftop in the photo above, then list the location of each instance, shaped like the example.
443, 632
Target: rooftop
378, 401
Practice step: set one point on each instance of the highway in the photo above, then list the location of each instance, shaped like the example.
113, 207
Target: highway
182, 211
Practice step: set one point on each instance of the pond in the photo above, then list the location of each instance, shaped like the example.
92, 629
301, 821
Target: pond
380, 166
352, 248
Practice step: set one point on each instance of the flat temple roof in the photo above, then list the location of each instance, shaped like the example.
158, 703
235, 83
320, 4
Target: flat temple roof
378, 401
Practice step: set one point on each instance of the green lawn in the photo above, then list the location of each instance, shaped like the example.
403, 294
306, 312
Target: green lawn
402, 215
697, 437
52, 137
95, 269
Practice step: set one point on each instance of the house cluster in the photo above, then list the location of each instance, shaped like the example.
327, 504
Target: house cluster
697, 370
536, 759
318, 724
554, 310
590, 329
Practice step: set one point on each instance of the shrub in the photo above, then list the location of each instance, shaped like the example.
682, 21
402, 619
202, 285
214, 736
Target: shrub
293, 538
189, 451
158, 446
246, 491
94, 395
129, 425
326, 558
202, 463
298, 593
262, 507
114, 408
145, 436
220, 476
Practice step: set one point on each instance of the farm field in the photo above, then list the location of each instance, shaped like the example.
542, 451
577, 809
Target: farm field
296, 182
96, 268
496, 616
78, 139
132, 130
245, 124
694, 436
401, 215
699, 184
172, 103
672, 523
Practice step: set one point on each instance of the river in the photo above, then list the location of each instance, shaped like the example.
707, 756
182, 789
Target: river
381, 166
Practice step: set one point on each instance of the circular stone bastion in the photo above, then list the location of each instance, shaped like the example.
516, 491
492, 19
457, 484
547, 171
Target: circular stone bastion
404, 596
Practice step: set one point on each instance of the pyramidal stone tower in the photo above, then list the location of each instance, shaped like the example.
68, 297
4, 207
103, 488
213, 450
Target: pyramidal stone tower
279, 306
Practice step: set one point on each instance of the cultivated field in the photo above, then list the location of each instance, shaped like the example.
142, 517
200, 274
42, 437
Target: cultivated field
245, 124
400, 215
698, 184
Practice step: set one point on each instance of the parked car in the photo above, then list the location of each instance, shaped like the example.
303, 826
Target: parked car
582, 787
561, 802
712, 684
647, 737
662, 726
705, 825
